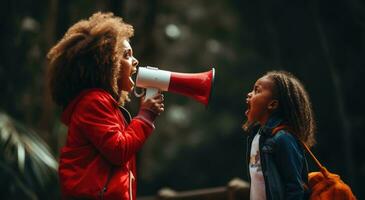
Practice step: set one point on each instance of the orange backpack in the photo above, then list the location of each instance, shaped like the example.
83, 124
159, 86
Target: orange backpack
323, 185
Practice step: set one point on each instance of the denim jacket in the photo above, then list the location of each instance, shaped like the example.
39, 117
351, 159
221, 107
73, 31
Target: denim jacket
283, 162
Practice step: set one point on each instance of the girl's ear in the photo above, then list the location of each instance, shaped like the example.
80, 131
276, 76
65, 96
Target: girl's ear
273, 105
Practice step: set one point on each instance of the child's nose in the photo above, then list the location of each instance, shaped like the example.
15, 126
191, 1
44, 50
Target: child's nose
249, 95
135, 61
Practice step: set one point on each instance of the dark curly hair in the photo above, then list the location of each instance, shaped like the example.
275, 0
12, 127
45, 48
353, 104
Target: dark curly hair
294, 105
88, 56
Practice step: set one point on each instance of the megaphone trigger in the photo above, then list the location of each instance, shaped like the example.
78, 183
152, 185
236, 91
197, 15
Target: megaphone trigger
150, 92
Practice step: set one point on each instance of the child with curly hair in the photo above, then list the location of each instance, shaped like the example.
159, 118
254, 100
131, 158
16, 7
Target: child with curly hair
90, 78
276, 161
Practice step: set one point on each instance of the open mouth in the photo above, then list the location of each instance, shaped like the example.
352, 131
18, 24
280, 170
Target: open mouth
248, 108
132, 75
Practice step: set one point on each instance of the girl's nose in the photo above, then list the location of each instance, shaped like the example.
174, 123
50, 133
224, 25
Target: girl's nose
249, 95
135, 62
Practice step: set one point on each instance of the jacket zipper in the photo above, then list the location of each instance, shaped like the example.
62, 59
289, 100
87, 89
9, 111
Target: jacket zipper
263, 159
105, 187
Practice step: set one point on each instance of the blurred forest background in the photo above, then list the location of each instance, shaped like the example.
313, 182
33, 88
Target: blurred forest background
320, 41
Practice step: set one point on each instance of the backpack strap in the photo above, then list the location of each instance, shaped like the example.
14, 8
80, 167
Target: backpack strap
324, 171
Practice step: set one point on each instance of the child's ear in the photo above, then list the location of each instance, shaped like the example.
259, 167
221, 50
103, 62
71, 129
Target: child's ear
274, 104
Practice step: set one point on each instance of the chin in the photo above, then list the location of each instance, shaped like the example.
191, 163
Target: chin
130, 89
127, 89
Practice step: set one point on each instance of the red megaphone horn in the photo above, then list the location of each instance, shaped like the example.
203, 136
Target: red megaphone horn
195, 85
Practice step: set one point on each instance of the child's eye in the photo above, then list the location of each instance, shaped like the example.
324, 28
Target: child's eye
125, 55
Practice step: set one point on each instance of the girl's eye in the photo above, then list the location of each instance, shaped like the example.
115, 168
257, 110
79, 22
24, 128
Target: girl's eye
127, 54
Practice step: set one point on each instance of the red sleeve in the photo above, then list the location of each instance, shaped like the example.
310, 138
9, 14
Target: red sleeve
98, 119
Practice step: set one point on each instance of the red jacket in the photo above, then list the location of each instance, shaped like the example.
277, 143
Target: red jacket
100, 148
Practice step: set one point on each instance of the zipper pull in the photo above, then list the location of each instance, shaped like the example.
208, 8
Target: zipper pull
131, 179
102, 193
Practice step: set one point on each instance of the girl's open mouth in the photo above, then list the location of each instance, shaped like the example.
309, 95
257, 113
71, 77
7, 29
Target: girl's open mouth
248, 108
131, 75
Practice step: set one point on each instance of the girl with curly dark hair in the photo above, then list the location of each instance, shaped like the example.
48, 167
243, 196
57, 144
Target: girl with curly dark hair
276, 161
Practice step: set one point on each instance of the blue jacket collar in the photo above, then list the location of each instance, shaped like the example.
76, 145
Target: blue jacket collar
273, 122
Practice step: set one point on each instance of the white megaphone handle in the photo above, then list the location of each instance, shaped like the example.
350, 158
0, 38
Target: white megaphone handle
150, 92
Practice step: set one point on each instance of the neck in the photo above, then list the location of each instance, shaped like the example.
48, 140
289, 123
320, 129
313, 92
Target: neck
263, 120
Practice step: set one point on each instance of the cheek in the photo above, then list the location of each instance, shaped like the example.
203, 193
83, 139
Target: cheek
123, 74
258, 106
258, 102
125, 69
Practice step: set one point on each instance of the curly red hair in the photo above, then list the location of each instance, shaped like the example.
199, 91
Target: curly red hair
88, 56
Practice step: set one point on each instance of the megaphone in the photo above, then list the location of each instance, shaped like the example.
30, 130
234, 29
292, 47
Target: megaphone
195, 85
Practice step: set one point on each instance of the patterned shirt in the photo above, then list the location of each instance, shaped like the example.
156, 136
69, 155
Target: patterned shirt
257, 191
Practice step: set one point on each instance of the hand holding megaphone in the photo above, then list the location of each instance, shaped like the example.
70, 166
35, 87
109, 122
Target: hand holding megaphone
154, 104
195, 85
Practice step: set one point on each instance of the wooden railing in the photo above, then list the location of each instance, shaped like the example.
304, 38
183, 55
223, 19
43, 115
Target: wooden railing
236, 189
